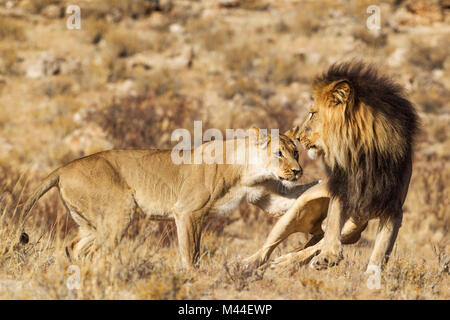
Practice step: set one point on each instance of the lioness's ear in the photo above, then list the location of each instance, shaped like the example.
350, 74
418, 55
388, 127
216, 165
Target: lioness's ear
256, 136
293, 133
341, 92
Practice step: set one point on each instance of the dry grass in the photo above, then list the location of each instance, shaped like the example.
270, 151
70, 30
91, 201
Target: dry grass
124, 81
11, 29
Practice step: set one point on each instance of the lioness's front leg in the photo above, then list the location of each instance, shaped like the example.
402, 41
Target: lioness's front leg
189, 214
305, 215
351, 233
189, 236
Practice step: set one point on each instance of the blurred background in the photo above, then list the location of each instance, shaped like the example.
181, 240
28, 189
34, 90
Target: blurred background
138, 69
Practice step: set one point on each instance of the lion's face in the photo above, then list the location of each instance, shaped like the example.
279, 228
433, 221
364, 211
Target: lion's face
329, 102
280, 158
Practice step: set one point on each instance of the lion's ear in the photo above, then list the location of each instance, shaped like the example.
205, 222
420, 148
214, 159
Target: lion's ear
293, 133
341, 92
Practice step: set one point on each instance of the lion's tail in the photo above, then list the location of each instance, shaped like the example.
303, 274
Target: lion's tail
46, 185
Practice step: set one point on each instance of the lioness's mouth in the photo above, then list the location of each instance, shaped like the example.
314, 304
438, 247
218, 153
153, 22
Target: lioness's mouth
291, 179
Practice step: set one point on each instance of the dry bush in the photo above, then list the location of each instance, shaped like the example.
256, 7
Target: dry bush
144, 121
122, 43
11, 29
429, 193
212, 36
163, 82
135, 8
428, 57
14, 191
253, 5
371, 39
96, 29
116, 10
305, 20
246, 86
431, 98
57, 85
280, 69
241, 57
263, 63
8, 61
36, 6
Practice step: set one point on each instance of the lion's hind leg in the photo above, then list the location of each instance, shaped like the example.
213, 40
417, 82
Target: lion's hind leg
387, 234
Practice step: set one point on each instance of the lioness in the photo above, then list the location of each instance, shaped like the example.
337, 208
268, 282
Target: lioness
104, 190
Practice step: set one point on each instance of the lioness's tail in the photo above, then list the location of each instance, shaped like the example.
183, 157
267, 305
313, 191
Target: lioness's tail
46, 185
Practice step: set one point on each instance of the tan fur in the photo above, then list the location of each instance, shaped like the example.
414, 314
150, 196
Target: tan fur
103, 191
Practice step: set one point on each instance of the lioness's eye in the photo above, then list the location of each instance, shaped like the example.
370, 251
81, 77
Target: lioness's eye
296, 155
280, 154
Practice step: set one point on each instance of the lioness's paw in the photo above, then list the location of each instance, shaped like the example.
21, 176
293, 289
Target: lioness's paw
326, 259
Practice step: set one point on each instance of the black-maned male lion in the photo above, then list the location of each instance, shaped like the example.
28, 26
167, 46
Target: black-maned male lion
364, 127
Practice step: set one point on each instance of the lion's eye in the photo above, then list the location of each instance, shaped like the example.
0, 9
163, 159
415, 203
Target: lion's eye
280, 154
311, 115
296, 155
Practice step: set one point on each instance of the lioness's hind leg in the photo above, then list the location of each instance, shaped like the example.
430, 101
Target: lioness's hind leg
71, 246
85, 244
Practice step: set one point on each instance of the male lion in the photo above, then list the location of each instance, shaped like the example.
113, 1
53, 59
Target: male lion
103, 191
364, 127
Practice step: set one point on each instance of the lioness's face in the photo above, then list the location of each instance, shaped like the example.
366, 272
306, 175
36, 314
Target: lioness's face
278, 155
328, 101
284, 160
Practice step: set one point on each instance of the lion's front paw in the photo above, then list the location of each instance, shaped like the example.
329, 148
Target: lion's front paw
326, 259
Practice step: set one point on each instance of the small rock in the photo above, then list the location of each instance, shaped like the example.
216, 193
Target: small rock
175, 28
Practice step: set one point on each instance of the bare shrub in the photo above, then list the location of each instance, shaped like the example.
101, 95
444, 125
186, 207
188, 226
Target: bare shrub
428, 57
144, 121
11, 29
